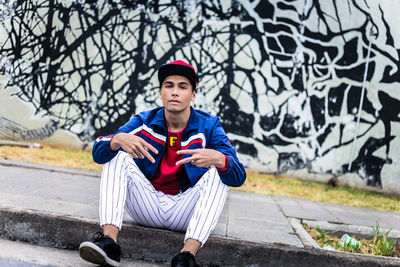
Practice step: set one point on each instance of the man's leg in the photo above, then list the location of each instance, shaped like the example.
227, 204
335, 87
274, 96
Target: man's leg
208, 208
122, 186
143, 200
206, 199
113, 186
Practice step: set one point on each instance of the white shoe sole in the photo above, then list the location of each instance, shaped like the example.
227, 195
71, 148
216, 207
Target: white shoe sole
92, 253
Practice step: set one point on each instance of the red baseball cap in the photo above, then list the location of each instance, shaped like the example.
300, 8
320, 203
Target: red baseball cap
178, 67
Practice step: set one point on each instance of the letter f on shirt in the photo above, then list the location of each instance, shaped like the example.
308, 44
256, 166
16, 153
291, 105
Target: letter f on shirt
172, 141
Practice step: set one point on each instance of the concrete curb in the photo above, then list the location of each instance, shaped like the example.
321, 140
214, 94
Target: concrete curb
160, 245
305, 238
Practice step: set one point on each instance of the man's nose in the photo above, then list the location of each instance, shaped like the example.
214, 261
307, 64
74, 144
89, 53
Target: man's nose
175, 90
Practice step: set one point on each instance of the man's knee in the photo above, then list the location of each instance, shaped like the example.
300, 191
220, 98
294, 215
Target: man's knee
120, 158
213, 176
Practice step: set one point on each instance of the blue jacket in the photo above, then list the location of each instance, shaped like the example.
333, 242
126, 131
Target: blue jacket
203, 131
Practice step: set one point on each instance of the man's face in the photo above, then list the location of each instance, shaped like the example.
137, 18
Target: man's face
176, 93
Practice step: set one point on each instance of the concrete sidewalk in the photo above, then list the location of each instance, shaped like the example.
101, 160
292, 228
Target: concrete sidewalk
58, 207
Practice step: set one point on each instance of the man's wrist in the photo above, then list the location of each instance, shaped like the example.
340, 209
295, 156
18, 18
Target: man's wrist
114, 146
222, 162
226, 164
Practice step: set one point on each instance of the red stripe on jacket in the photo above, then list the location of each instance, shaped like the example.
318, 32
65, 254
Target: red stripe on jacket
194, 142
151, 137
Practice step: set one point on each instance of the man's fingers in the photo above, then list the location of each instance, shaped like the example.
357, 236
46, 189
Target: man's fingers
142, 149
187, 151
147, 155
133, 154
140, 152
145, 151
148, 146
183, 161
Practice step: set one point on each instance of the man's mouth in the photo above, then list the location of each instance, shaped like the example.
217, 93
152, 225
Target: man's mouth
174, 101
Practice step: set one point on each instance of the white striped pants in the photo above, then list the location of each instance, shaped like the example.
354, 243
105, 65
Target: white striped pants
196, 210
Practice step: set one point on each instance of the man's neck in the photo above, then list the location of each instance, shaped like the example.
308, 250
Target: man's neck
176, 121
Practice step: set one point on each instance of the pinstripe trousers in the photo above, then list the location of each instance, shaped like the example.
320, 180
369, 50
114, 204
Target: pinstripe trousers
196, 211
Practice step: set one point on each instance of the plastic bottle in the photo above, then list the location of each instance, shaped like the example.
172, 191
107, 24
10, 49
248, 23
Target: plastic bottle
349, 241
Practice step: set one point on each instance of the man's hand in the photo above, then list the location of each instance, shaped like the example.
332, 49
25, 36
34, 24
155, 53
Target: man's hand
133, 145
203, 158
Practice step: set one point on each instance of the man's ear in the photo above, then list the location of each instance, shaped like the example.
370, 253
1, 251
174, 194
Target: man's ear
193, 96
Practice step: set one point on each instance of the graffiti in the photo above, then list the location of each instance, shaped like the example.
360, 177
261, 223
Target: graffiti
284, 76
12, 130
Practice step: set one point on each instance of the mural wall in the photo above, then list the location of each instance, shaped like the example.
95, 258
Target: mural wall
287, 77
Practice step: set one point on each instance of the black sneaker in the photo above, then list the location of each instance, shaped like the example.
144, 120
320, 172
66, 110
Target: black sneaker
184, 259
103, 250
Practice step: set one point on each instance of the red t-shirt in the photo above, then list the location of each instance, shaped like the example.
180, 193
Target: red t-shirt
167, 177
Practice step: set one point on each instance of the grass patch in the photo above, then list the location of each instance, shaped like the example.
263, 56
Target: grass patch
379, 244
54, 156
257, 183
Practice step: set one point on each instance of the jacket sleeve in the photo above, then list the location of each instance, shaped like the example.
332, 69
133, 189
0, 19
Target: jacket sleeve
235, 175
101, 151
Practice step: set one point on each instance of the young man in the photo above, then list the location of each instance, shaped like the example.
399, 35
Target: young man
169, 167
